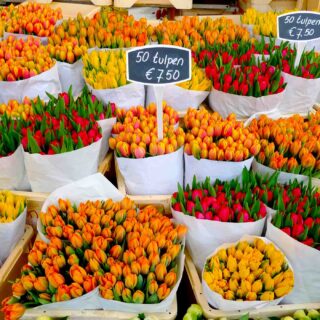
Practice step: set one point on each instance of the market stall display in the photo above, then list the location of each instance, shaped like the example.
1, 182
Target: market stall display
238, 172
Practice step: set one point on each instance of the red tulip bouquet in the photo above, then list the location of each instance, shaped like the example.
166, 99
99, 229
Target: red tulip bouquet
60, 144
295, 229
302, 78
12, 170
245, 90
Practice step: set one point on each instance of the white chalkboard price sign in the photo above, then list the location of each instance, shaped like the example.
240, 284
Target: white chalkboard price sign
159, 65
299, 26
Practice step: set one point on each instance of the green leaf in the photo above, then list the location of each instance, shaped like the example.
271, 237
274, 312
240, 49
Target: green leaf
33, 146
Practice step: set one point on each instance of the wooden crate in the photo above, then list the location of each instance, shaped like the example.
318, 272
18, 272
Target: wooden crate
10, 270
71, 9
178, 4
211, 313
31, 314
163, 200
234, 17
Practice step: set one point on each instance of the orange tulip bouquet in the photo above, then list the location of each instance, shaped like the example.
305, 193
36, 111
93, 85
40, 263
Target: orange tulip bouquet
148, 166
26, 70
289, 145
106, 253
215, 147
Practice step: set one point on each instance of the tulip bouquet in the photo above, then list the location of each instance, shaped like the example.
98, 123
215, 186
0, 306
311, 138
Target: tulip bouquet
138, 150
68, 54
12, 222
12, 170
66, 50
197, 34
105, 74
33, 19
131, 256
249, 273
105, 30
303, 80
295, 228
223, 146
219, 202
62, 142
136, 132
54, 135
29, 61
15, 109
245, 90
289, 145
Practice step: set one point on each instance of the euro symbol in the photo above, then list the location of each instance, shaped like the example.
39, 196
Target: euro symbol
149, 74
291, 32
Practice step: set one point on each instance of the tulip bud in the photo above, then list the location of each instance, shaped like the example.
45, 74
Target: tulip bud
89, 283
77, 274
35, 257
256, 286
117, 290
59, 261
99, 242
174, 251
267, 296
40, 245
75, 290
126, 295
120, 216
27, 281
163, 291
308, 161
94, 265
41, 284
76, 240
106, 293
229, 295
170, 279
45, 296
138, 297
55, 279
131, 281
18, 289
119, 233
115, 251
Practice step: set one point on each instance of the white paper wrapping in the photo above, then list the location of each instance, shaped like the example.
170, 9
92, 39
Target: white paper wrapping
204, 236
71, 75
217, 301
163, 306
88, 301
106, 127
178, 98
49, 172
284, 177
305, 262
153, 175
130, 95
267, 39
33, 87
261, 57
10, 234
222, 170
242, 106
12, 170
44, 40
97, 187
300, 94
249, 27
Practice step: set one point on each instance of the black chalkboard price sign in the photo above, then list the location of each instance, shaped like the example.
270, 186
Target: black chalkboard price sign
299, 26
158, 64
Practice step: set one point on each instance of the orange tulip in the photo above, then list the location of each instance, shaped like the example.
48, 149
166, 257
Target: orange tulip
89, 283
115, 251
163, 291
13, 311
77, 274
41, 284
75, 290
35, 257
76, 240
63, 293
55, 279
160, 271
131, 281
18, 289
